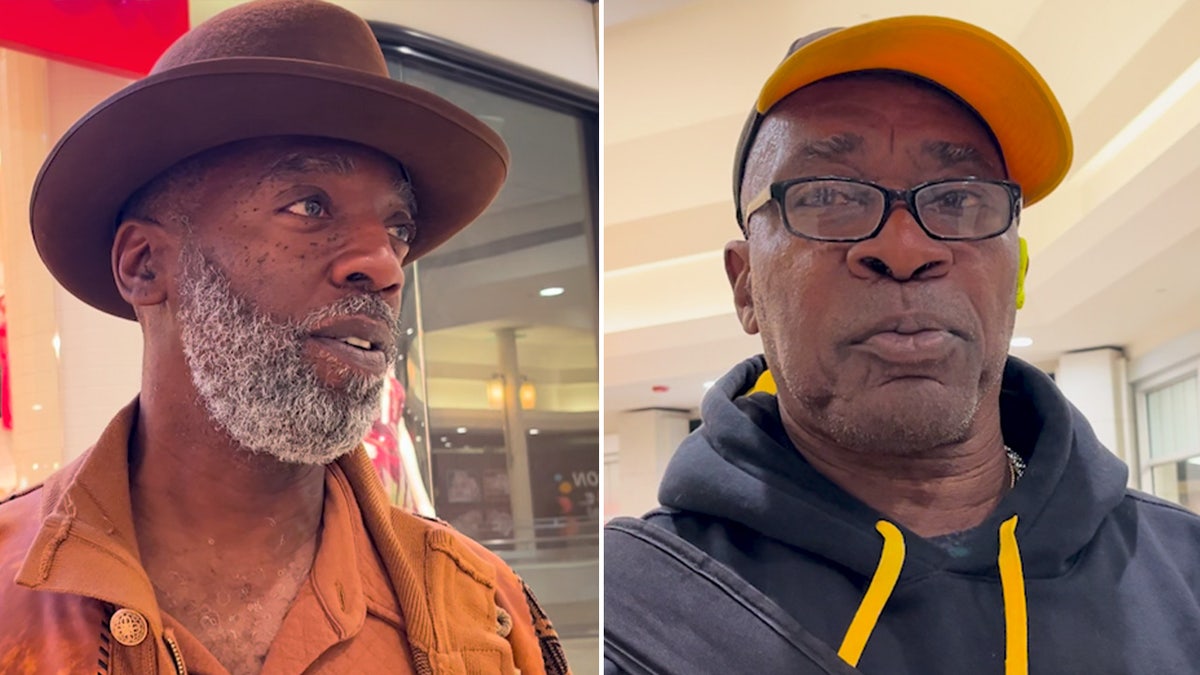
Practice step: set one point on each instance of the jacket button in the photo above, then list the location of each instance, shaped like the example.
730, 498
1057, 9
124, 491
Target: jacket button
128, 627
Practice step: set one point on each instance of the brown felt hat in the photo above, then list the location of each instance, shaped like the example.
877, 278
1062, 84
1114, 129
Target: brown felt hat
264, 68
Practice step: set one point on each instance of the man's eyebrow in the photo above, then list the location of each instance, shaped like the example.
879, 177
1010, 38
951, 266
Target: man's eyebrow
950, 154
333, 163
835, 147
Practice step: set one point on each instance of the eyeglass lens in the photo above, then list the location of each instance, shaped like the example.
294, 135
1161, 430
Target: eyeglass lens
840, 210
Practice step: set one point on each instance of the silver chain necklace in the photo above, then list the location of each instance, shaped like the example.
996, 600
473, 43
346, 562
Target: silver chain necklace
1016, 466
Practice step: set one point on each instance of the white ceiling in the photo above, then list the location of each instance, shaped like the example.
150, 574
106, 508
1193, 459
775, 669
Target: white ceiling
1113, 251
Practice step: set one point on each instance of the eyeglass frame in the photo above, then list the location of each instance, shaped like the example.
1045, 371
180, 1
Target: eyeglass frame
775, 192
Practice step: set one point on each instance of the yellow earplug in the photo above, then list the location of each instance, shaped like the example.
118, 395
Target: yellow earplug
1022, 268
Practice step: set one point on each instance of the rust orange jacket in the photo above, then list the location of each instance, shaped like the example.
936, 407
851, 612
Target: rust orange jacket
68, 562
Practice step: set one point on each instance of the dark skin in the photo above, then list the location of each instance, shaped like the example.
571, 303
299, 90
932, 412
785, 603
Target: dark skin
887, 353
328, 223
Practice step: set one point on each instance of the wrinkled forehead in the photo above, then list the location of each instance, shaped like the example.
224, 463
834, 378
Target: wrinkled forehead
279, 156
951, 130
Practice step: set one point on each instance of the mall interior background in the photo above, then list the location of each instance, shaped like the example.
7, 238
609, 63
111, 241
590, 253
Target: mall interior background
1113, 309
492, 421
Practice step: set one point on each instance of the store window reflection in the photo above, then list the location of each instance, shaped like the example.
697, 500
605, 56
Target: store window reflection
493, 422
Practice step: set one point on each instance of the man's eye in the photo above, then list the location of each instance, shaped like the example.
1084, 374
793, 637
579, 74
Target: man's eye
309, 208
406, 232
825, 197
958, 199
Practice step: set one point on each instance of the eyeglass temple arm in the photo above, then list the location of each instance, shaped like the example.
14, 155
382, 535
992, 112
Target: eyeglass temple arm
755, 204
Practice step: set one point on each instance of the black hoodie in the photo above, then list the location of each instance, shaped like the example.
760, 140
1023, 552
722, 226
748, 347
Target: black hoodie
1098, 578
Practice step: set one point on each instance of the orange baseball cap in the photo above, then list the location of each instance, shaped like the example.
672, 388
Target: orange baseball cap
982, 70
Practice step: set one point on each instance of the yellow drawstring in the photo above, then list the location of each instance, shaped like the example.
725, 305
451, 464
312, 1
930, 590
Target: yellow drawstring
878, 592
764, 383
1012, 584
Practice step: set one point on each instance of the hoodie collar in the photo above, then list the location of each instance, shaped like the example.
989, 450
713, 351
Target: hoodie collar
740, 465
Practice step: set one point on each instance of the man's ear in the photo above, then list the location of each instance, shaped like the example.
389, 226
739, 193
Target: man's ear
139, 252
737, 269
1022, 270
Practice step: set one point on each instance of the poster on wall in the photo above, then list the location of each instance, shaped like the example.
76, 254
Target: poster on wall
473, 495
565, 475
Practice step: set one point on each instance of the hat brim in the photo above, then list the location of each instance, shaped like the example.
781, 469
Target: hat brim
456, 163
982, 70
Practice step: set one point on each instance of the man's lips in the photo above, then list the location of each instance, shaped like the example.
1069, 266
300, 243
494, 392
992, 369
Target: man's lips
923, 345
909, 338
373, 362
359, 341
358, 331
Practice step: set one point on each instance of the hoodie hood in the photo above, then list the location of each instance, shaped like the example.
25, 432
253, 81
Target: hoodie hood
741, 466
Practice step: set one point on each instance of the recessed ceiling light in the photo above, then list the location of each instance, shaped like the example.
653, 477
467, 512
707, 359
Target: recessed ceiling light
534, 432
551, 291
461, 430
1020, 341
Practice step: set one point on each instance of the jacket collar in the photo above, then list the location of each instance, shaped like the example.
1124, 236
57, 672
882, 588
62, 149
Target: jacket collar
87, 519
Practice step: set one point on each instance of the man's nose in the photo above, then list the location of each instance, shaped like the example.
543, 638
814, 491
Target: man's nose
901, 251
372, 260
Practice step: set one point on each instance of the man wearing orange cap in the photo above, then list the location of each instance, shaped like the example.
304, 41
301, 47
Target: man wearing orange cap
251, 204
885, 490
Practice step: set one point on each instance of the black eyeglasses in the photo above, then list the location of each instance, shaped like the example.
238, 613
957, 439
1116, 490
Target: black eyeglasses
829, 208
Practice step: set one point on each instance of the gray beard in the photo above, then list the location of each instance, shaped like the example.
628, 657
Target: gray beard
251, 375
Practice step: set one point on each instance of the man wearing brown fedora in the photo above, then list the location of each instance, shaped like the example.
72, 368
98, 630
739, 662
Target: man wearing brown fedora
251, 203
884, 490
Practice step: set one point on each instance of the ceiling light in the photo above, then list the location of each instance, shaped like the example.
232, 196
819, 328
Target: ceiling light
534, 432
461, 430
1021, 342
551, 291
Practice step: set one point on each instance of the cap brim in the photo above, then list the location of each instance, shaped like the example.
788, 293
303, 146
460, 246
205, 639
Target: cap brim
981, 69
456, 163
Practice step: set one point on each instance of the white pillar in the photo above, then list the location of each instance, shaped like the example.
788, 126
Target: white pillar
1096, 382
646, 439
520, 486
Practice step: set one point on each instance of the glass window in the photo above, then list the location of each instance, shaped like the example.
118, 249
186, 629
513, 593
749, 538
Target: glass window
501, 380
1172, 418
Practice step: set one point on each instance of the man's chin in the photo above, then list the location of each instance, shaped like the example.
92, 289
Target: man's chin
303, 442
929, 415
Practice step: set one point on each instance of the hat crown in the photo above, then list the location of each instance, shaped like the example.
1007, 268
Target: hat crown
305, 30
